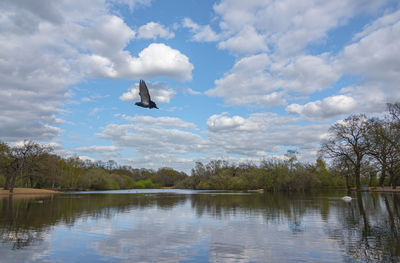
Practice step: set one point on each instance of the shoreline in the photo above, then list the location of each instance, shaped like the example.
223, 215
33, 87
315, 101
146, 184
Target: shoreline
385, 189
28, 191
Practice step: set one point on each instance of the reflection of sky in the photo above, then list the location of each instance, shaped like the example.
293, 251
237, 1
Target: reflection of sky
157, 234
178, 234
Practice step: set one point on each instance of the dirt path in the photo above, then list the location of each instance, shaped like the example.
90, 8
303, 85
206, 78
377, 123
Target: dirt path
27, 191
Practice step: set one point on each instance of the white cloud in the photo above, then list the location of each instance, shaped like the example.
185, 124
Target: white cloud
95, 111
158, 91
133, 3
97, 149
86, 158
159, 141
306, 74
155, 60
283, 30
155, 161
107, 37
148, 138
262, 135
328, 107
374, 56
152, 30
193, 92
289, 26
274, 77
221, 122
247, 41
75, 39
249, 82
387, 20
200, 33
159, 60
160, 121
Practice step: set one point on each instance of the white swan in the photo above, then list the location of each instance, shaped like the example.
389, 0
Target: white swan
346, 198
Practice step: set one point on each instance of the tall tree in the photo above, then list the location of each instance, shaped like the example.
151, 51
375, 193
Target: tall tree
24, 158
347, 141
383, 139
5, 158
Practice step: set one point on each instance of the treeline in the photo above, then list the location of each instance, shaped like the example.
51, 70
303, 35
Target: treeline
361, 150
272, 175
36, 166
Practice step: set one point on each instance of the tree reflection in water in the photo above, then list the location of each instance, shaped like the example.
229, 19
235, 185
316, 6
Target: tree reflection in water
369, 228
366, 229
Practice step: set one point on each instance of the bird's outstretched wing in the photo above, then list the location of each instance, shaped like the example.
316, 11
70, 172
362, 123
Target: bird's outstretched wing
144, 93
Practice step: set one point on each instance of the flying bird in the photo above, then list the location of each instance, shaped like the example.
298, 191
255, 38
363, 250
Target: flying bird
145, 100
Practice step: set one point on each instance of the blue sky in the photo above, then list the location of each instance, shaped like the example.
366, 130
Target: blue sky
234, 80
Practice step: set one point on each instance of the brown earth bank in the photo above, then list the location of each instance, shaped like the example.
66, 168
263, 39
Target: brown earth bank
256, 191
384, 189
378, 189
28, 191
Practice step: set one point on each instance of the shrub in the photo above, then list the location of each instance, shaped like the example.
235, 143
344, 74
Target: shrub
142, 184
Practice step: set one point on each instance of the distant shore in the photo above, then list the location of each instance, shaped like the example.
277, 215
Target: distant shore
383, 189
28, 191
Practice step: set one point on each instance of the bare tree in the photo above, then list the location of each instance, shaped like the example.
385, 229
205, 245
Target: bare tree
394, 111
347, 141
24, 159
383, 139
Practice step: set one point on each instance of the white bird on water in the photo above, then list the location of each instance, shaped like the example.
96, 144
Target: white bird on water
346, 198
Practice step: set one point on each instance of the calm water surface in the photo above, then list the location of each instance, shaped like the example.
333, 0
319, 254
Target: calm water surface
200, 226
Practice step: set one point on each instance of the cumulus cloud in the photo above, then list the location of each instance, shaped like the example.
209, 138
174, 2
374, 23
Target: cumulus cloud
155, 60
75, 40
86, 158
262, 134
133, 3
147, 135
374, 55
160, 121
247, 41
249, 82
307, 74
170, 141
150, 139
155, 142
158, 92
328, 107
152, 30
193, 92
97, 149
155, 161
160, 60
282, 31
200, 33
221, 122
286, 25
107, 37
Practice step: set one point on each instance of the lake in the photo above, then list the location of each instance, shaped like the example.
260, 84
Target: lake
200, 226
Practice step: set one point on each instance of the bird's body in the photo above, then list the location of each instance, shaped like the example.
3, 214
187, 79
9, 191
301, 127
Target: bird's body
145, 100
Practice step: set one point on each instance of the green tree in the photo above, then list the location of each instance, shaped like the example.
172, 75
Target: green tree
5, 161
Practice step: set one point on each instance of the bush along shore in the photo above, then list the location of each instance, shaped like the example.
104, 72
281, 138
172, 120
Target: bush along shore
361, 152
